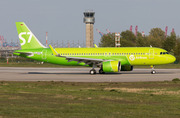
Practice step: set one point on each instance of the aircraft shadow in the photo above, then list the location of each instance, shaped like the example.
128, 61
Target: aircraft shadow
102, 74
149, 73
55, 73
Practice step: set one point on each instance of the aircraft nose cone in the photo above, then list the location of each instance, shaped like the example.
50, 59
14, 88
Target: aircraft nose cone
172, 59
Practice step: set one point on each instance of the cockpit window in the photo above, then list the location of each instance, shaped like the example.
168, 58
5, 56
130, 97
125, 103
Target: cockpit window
163, 53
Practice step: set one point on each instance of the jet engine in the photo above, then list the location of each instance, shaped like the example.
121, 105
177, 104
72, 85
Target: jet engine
111, 66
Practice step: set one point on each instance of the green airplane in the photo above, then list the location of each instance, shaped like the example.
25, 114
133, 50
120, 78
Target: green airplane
107, 59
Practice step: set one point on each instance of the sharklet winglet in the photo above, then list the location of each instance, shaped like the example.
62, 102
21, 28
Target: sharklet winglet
53, 51
95, 46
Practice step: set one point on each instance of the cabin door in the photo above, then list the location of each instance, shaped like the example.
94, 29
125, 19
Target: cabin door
151, 53
44, 54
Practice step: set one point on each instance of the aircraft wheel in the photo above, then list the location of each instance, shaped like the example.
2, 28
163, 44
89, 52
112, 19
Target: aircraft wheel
153, 72
92, 72
101, 71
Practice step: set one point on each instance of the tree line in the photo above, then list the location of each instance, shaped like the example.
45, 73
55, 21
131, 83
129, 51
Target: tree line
156, 38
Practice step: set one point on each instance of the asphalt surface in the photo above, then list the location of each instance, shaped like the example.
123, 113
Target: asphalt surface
82, 75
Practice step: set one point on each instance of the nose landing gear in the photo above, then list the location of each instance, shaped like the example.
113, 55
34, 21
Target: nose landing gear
152, 70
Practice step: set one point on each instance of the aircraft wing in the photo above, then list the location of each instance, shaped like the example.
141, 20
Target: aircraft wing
87, 61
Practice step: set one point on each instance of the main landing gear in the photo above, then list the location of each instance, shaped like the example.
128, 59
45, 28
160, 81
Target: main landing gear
93, 71
101, 71
152, 70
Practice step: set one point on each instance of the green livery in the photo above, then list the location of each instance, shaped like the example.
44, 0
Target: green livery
107, 59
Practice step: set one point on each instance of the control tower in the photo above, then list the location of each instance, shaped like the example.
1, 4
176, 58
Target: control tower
89, 20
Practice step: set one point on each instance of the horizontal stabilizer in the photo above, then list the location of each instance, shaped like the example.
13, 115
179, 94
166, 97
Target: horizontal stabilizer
26, 53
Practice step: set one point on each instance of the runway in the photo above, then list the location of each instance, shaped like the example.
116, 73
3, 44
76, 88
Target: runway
82, 75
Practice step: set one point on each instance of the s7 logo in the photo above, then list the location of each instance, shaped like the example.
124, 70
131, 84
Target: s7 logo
24, 40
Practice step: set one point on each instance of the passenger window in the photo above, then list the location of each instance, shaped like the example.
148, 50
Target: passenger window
164, 52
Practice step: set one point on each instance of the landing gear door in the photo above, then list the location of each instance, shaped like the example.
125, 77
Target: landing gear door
151, 53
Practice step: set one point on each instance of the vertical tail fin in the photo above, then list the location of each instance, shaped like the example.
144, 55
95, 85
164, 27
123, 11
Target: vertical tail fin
27, 38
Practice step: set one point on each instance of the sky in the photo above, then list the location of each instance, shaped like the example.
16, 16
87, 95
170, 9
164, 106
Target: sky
63, 19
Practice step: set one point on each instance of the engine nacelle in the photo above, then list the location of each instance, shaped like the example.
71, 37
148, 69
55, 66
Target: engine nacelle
111, 66
126, 68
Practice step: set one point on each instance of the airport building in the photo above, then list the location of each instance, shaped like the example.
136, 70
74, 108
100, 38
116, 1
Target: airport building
7, 52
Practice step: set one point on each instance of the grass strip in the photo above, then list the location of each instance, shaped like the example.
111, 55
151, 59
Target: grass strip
44, 99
